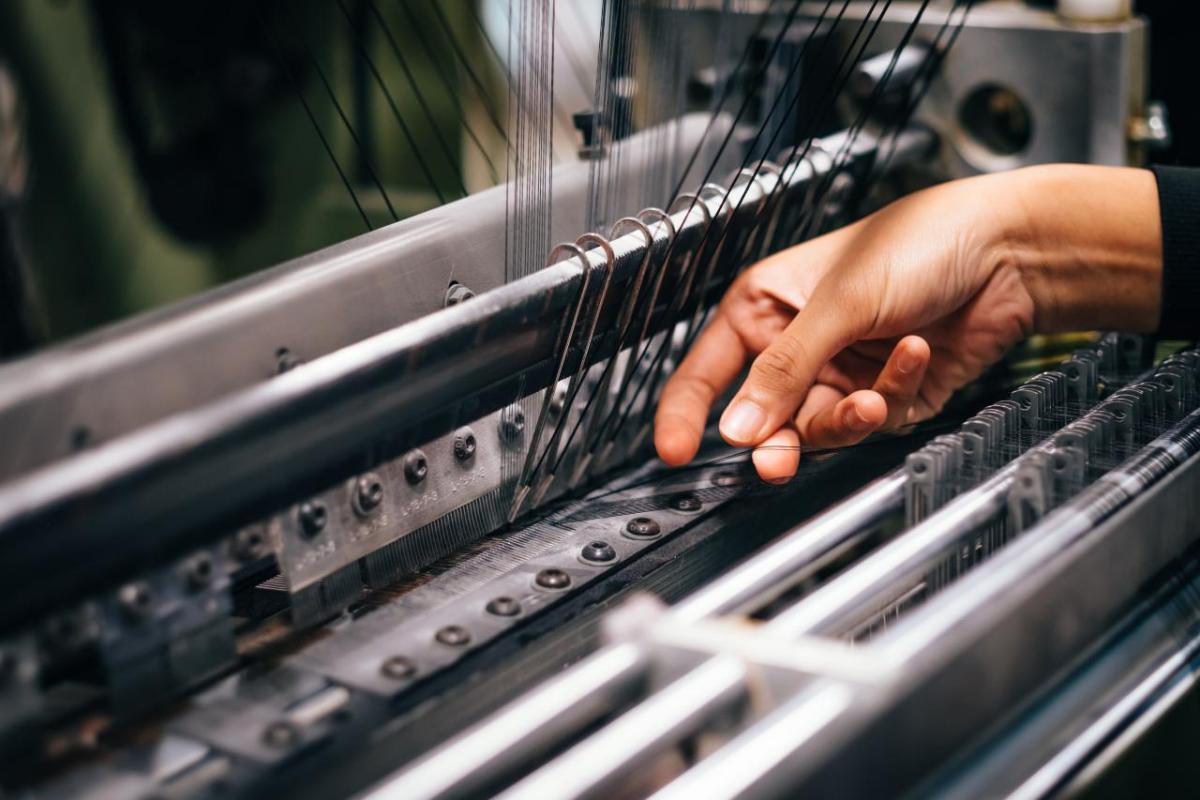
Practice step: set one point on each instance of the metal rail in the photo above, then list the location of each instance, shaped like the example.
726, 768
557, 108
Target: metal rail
197, 473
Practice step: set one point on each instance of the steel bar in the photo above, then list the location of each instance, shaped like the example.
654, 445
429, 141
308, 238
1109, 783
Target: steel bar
867, 587
981, 645
797, 554
558, 710
193, 475
591, 768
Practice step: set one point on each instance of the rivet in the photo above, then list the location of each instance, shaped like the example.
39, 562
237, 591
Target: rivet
727, 479
643, 528
199, 570
286, 360
453, 635
280, 734
503, 607
249, 543
553, 578
686, 502
416, 467
598, 551
135, 600
457, 293
398, 668
558, 401
464, 444
312, 517
512, 424
368, 494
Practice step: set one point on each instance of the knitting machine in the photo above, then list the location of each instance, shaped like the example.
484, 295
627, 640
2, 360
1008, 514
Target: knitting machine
384, 521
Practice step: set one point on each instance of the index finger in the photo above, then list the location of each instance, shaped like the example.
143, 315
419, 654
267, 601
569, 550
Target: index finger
714, 361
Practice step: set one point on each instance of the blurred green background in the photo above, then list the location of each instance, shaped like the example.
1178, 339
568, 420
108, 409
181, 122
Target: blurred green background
165, 148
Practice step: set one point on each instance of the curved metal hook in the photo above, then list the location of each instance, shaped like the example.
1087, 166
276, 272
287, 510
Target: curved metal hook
636, 288
577, 378
565, 337
692, 201
660, 216
575, 249
716, 189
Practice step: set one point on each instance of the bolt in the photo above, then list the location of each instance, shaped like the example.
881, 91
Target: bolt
464, 444
249, 543
553, 579
453, 635
504, 607
512, 424
135, 599
727, 479
286, 360
457, 293
199, 570
398, 668
686, 502
643, 528
558, 401
368, 494
598, 551
416, 467
312, 517
81, 437
280, 734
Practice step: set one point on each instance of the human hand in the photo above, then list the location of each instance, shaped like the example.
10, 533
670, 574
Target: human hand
875, 325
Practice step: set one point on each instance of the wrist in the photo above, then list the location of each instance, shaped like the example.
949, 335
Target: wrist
1087, 243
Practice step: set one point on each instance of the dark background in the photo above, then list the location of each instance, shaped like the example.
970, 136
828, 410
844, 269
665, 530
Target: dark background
1173, 72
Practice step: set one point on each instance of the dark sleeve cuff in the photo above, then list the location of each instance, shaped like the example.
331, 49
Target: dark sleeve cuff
1179, 202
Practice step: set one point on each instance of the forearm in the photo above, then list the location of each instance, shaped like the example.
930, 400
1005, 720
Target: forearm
1087, 242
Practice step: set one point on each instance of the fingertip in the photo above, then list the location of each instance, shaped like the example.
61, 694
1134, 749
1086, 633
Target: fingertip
912, 355
675, 442
866, 410
742, 422
778, 457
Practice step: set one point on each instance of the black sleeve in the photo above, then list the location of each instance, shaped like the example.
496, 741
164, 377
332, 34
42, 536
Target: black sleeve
1179, 201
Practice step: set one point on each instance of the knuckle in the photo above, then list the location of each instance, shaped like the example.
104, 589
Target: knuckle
779, 367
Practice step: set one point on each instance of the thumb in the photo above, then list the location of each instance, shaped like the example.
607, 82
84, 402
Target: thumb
783, 373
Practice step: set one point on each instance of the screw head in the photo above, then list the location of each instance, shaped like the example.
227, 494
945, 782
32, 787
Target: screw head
280, 734
368, 493
552, 578
643, 528
457, 293
512, 424
199, 570
686, 502
464, 444
312, 517
416, 467
135, 599
598, 551
727, 479
286, 360
503, 607
453, 635
398, 668
250, 543
558, 401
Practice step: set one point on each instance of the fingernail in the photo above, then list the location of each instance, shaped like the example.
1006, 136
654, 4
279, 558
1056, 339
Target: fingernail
907, 361
742, 421
856, 420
